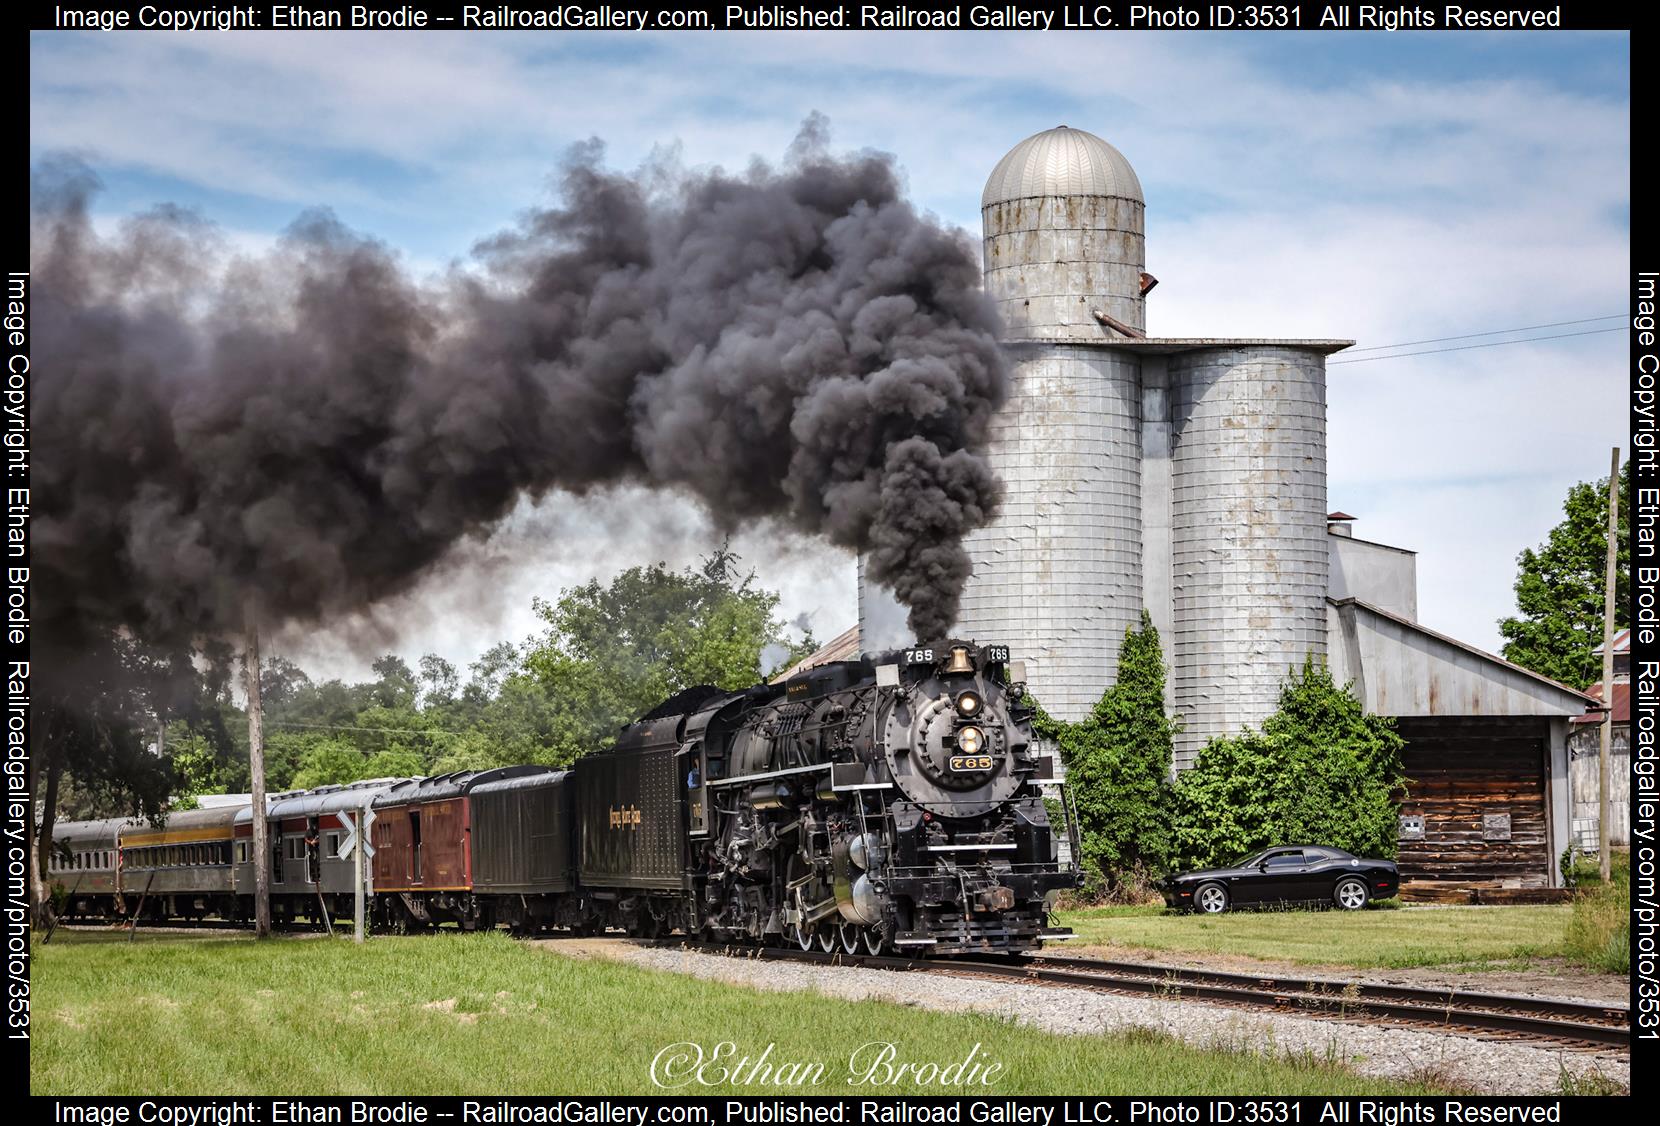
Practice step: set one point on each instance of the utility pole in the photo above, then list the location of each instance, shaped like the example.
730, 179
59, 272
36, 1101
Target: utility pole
357, 868
256, 773
1608, 666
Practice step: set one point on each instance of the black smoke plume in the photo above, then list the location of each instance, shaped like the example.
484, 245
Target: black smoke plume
310, 430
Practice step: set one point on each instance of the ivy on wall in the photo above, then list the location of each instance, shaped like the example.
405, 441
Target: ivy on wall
1320, 770
1118, 768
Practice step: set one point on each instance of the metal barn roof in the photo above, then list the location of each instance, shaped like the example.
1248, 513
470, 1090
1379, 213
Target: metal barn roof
1622, 643
1400, 668
843, 647
1621, 708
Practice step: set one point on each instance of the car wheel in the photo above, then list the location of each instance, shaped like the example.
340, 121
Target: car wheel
1212, 899
1351, 894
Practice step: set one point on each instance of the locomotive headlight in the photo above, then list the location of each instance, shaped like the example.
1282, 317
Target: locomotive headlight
970, 740
968, 704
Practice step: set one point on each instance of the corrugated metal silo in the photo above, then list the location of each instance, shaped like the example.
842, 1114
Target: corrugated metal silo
1187, 474
1057, 575
1249, 555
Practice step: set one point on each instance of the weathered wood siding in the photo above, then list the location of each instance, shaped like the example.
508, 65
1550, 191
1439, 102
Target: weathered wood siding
1463, 770
1584, 752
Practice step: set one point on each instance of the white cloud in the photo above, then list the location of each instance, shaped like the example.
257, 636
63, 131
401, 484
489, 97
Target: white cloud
484, 593
1382, 207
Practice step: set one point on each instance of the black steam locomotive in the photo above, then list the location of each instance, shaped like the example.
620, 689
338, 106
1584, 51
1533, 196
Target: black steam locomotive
870, 805
891, 803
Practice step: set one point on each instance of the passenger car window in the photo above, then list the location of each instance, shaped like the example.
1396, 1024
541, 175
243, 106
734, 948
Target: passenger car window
1285, 859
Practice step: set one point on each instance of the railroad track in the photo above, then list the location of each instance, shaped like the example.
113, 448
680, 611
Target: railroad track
1563, 1022
1570, 1023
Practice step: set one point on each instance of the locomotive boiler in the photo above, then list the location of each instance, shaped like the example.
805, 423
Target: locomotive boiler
889, 803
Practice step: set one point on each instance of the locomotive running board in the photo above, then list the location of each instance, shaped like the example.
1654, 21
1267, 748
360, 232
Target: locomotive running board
745, 779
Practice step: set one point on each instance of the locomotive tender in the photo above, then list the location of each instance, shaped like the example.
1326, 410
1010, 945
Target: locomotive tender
888, 803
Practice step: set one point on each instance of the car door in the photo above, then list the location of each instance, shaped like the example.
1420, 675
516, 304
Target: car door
1314, 880
1282, 872
1243, 880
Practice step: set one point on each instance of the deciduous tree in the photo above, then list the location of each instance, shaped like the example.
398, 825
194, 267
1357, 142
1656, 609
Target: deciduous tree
1559, 588
613, 652
94, 721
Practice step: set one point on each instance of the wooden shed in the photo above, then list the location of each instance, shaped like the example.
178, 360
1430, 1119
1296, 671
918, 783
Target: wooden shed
1487, 809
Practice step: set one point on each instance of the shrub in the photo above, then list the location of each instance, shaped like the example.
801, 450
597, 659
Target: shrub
1320, 771
1118, 769
1578, 868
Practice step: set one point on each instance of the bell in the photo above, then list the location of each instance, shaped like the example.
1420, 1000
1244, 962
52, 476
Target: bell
959, 661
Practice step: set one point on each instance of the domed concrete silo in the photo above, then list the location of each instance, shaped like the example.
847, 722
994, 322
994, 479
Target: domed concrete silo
1249, 557
1057, 573
1064, 237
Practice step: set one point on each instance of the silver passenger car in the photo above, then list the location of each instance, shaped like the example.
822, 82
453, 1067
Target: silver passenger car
307, 833
181, 869
86, 862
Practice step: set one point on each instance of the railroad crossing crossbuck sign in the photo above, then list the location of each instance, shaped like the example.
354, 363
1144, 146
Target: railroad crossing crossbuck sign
367, 817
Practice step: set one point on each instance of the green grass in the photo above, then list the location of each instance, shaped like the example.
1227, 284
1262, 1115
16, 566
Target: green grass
460, 1014
1599, 931
1466, 937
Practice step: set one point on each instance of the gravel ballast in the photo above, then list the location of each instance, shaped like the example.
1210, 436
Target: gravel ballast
1464, 1062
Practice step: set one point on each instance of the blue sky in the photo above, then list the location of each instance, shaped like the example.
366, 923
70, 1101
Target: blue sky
1382, 187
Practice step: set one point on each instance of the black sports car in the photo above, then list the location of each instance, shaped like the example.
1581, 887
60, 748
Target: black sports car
1285, 874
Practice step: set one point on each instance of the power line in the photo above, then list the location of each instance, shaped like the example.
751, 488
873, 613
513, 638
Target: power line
1495, 332
1468, 347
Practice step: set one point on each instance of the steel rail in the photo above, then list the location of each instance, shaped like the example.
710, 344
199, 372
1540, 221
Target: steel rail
1443, 1009
1433, 997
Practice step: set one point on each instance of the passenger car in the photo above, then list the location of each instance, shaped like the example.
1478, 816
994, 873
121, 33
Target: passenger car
1285, 874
